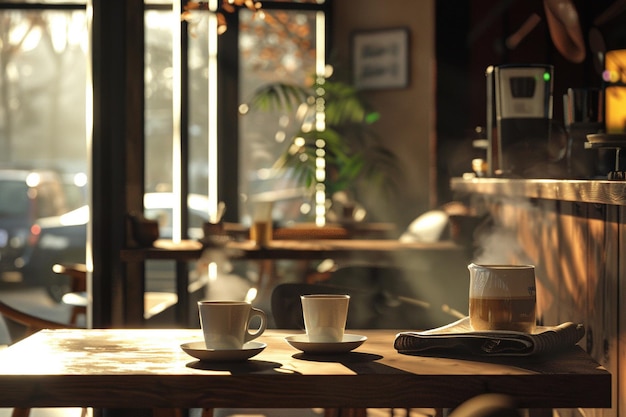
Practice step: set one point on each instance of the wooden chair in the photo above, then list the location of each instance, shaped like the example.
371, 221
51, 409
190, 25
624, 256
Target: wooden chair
382, 297
155, 302
487, 405
306, 231
30, 324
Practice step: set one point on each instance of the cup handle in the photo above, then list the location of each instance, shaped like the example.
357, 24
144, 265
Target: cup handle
255, 312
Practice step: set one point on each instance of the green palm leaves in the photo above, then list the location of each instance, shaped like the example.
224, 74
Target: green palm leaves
345, 138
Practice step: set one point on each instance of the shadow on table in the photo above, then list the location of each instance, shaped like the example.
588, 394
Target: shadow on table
238, 368
343, 358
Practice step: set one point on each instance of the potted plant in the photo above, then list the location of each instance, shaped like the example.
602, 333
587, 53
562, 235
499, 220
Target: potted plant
353, 153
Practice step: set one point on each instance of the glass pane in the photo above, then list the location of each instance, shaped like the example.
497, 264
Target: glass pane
159, 199
43, 150
158, 95
198, 106
42, 88
158, 156
278, 47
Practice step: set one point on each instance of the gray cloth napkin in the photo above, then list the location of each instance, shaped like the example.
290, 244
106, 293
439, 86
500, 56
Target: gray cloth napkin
459, 338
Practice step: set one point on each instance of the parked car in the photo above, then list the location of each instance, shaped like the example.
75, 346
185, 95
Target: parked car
25, 196
62, 239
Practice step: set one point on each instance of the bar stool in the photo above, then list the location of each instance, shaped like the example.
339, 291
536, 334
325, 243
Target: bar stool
31, 324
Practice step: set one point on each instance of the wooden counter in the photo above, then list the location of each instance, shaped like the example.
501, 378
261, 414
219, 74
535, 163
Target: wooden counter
584, 191
574, 232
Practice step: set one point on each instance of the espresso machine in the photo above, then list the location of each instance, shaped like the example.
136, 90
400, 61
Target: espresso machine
519, 117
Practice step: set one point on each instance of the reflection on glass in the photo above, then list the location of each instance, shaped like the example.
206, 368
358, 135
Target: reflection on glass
279, 46
158, 101
198, 66
43, 57
42, 89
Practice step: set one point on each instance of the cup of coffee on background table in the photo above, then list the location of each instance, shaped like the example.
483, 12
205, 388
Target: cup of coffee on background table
502, 297
226, 324
261, 228
325, 316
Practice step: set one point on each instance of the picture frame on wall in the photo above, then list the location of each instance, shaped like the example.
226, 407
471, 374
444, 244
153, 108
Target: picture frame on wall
380, 59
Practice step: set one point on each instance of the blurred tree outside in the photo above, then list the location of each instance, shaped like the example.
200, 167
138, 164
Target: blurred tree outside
42, 89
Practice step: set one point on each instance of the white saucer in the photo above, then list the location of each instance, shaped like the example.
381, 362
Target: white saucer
199, 351
349, 342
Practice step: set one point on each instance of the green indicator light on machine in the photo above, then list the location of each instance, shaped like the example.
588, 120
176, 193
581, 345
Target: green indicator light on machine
546, 76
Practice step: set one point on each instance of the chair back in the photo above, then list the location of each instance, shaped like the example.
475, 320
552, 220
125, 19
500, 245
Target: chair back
487, 405
28, 323
286, 305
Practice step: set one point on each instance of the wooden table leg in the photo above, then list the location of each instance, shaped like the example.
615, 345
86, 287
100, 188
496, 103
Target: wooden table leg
20, 412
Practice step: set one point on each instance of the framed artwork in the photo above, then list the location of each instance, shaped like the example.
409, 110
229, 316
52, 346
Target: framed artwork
380, 58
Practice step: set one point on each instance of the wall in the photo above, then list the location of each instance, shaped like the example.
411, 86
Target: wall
407, 121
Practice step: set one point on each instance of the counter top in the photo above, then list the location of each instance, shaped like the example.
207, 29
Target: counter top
584, 191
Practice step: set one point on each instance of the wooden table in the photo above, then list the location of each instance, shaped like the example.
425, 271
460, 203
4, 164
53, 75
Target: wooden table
147, 369
310, 249
349, 230
374, 250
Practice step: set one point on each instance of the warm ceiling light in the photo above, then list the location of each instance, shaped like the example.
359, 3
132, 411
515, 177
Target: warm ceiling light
227, 6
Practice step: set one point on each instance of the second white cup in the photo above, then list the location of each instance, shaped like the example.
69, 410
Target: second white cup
226, 324
325, 316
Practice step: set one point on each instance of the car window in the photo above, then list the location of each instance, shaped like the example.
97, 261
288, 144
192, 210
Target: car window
13, 198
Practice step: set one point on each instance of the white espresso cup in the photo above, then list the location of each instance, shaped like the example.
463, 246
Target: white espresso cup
325, 317
502, 297
226, 324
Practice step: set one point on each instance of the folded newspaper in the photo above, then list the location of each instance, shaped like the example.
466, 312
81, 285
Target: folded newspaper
459, 338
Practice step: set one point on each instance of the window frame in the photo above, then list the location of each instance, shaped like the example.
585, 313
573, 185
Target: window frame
228, 96
118, 135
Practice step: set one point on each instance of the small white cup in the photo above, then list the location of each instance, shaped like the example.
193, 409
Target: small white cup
325, 317
226, 324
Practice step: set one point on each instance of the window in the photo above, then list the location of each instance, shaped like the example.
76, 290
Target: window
43, 64
42, 89
282, 45
278, 43
42, 127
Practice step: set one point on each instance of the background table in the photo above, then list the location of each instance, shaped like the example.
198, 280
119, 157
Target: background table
373, 251
146, 368
310, 249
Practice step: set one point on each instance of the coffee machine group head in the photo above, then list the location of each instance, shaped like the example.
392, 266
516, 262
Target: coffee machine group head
519, 116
